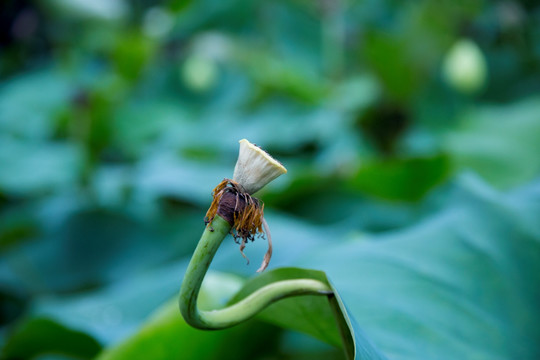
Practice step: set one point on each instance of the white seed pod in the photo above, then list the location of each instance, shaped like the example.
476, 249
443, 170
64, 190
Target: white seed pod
255, 167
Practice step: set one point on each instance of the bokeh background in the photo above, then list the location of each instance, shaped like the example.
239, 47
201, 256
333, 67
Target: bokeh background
117, 118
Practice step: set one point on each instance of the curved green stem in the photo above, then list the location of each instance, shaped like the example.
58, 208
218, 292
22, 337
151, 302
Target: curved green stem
244, 309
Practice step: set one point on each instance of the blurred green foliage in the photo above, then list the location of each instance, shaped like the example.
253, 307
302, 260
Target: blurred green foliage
117, 119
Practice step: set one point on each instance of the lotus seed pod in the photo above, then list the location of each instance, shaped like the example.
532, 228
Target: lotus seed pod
465, 67
255, 167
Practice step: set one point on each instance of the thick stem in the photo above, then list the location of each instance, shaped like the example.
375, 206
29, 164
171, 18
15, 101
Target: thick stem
244, 309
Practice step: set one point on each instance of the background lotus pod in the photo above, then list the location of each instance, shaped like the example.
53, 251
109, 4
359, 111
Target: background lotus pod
465, 67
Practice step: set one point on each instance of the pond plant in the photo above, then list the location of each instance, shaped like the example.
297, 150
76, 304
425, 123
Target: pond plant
235, 211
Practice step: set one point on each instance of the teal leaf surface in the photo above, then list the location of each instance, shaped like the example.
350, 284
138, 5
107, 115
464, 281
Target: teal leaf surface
462, 284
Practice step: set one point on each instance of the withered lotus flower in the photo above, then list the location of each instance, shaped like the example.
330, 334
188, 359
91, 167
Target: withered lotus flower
234, 202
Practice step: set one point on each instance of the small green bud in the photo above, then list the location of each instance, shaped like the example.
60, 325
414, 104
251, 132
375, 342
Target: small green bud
199, 73
465, 68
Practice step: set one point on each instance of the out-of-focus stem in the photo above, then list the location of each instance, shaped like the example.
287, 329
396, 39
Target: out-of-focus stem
333, 37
